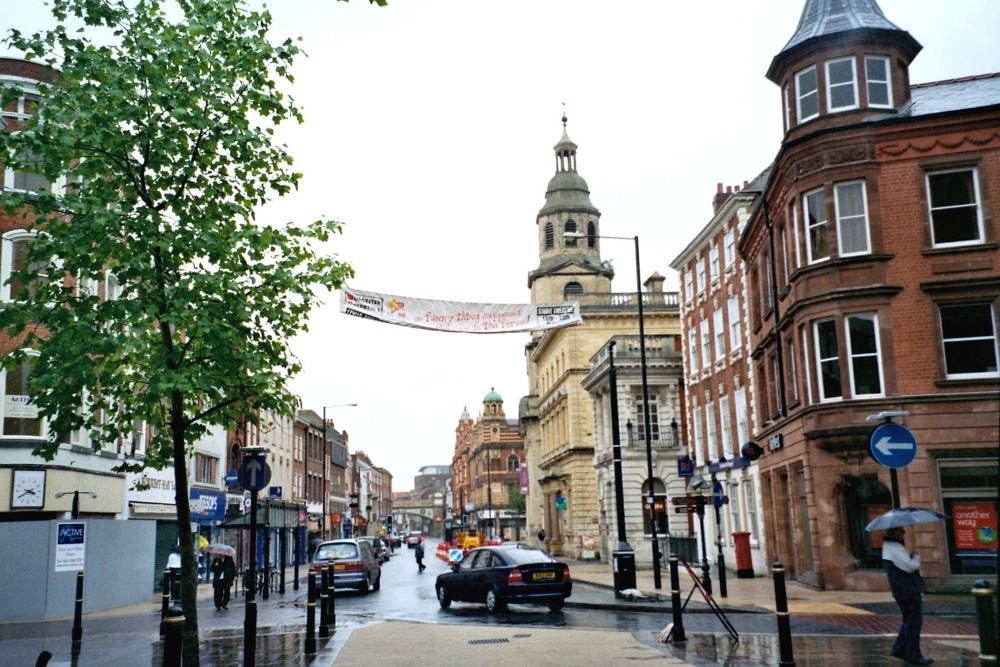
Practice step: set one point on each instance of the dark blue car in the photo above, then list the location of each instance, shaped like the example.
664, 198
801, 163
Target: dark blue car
503, 574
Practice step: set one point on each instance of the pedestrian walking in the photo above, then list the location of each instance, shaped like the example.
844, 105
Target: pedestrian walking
906, 584
541, 539
419, 553
223, 576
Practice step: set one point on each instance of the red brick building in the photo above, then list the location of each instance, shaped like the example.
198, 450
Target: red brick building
873, 287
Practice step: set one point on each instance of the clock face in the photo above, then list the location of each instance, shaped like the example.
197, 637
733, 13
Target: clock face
28, 489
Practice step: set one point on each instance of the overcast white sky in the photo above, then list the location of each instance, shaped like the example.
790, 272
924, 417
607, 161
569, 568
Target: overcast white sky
429, 131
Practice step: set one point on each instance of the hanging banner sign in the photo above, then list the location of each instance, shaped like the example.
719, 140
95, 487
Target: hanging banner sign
458, 316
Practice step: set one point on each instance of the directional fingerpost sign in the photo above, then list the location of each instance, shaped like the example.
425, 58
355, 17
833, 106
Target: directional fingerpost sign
255, 472
893, 445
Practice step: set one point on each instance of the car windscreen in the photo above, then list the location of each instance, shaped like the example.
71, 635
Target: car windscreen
337, 551
526, 556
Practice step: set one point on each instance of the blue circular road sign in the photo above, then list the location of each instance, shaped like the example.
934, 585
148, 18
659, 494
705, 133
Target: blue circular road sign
893, 445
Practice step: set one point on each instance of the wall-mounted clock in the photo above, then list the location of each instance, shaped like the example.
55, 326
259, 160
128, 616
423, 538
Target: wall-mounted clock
28, 489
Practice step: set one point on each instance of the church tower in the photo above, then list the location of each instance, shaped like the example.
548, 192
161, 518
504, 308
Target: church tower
569, 250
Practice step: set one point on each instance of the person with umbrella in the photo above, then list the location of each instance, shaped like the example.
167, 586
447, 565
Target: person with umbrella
223, 575
906, 584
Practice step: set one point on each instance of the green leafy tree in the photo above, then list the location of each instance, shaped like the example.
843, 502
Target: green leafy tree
164, 132
516, 501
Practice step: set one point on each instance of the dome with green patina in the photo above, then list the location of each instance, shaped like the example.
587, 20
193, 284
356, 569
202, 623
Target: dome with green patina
493, 396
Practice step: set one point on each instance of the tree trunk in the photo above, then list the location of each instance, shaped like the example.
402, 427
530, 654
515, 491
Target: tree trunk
189, 559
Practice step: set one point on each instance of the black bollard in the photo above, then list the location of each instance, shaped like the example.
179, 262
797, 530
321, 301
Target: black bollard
677, 632
983, 595
324, 628
784, 621
331, 599
166, 600
173, 637
78, 609
250, 635
310, 647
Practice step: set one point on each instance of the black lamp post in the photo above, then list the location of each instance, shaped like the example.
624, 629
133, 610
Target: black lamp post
645, 405
623, 554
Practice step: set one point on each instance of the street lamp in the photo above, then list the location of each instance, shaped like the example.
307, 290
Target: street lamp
326, 494
645, 402
623, 554
76, 500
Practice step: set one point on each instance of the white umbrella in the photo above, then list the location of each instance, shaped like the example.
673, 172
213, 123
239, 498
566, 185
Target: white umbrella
904, 516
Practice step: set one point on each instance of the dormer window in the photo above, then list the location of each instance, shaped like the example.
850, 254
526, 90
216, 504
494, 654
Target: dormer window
877, 78
807, 94
841, 85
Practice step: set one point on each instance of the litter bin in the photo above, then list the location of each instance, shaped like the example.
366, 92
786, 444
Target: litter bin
744, 564
624, 570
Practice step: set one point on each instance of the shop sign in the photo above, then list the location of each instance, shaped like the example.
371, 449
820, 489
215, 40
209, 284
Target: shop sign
974, 526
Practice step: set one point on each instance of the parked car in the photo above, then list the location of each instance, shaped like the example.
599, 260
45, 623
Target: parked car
378, 546
397, 540
413, 538
503, 574
355, 564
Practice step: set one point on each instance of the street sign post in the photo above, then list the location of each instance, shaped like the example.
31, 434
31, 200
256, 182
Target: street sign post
255, 473
893, 445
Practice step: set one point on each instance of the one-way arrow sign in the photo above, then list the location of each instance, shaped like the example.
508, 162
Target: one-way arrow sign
255, 473
893, 445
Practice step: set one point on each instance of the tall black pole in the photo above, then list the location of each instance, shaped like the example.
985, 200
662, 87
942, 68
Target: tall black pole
326, 535
645, 420
616, 442
250, 621
624, 555
76, 504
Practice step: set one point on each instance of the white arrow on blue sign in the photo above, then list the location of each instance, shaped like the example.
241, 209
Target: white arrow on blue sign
255, 472
893, 446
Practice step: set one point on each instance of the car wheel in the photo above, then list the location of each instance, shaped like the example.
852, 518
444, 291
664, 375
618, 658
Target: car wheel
365, 585
493, 603
444, 597
556, 605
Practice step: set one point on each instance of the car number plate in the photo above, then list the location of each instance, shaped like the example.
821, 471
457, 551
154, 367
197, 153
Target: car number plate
339, 566
545, 575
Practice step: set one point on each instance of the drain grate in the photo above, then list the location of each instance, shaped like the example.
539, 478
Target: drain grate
501, 640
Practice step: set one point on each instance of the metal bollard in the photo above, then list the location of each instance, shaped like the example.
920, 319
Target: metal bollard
983, 595
324, 628
250, 635
166, 600
331, 599
677, 632
784, 621
310, 647
78, 609
173, 637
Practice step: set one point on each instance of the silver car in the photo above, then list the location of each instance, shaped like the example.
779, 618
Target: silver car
355, 564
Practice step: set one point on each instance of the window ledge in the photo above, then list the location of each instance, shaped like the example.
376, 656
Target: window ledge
971, 247
968, 382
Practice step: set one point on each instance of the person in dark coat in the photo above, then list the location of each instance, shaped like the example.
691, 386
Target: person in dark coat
906, 585
419, 553
223, 575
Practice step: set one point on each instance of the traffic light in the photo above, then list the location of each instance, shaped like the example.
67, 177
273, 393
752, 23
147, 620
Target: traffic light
388, 522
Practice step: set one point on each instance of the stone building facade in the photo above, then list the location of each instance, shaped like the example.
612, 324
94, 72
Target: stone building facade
558, 414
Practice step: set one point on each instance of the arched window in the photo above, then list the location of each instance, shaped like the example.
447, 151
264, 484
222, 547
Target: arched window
591, 235
572, 288
865, 498
550, 235
659, 493
513, 463
570, 228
